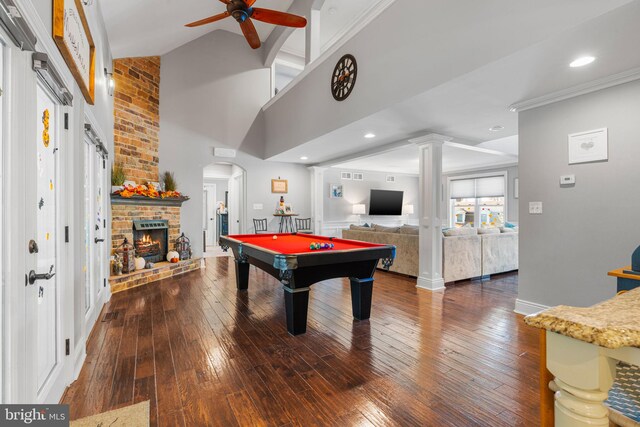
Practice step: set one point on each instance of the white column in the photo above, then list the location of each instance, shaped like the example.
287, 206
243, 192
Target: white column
430, 210
317, 197
312, 36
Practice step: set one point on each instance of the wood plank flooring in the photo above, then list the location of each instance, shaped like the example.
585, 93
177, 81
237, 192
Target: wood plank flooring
206, 355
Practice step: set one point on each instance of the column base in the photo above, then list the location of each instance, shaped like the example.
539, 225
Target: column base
430, 284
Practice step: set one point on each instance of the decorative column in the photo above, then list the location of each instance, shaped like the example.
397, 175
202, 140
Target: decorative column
317, 197
429, 211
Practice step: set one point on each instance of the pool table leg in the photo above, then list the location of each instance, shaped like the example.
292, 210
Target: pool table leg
296, 302
361, 291
242, 274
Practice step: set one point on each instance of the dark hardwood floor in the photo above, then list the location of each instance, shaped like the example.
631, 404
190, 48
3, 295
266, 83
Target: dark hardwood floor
204, 354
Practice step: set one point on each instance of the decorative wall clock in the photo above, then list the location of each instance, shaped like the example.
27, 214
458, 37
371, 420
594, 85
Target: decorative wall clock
344, 77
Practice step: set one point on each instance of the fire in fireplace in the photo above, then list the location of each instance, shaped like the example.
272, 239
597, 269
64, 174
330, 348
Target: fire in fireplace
151, 239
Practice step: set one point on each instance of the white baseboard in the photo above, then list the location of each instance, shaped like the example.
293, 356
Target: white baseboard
430, 284
527, 307
79, 356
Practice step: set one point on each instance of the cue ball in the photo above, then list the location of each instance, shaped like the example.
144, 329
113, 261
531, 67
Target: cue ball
275, 237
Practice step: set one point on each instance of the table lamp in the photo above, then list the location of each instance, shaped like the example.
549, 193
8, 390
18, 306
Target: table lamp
359, 210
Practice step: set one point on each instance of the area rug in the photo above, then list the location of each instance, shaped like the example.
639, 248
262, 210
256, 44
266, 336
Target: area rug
130, 416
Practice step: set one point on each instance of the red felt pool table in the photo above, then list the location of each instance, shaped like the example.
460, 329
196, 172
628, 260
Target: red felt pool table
289, 259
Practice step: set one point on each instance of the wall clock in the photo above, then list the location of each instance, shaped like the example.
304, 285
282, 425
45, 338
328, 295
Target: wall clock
344, 77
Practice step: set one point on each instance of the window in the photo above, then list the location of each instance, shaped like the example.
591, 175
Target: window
477, 201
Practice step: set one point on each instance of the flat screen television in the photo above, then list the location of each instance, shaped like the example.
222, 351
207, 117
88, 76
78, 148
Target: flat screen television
385, 202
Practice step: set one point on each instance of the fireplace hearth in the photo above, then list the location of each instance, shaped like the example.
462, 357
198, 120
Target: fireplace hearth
151, 239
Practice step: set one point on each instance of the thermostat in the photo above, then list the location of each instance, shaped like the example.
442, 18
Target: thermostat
567, 179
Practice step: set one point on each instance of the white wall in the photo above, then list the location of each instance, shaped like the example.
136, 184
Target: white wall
215, 102
357, 192
588, 229
512, 202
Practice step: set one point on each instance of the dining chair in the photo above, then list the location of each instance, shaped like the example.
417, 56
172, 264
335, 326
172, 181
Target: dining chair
260, 225
303, 225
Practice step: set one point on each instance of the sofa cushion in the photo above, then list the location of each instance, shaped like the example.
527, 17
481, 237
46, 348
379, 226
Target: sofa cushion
489, 230
463, 231
359, 228
384, 229
409, 229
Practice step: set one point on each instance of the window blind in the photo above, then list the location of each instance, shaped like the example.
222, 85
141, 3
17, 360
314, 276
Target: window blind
492, 186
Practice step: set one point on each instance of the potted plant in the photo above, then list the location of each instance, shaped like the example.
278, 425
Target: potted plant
117, 177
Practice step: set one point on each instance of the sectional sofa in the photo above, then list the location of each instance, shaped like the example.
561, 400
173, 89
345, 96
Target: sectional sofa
467, 252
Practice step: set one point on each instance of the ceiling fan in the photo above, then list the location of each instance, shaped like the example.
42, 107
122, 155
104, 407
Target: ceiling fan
243, 10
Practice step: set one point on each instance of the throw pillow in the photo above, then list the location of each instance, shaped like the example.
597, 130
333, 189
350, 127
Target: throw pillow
409, 229
463, 231
489, 230
384, 229
359, 228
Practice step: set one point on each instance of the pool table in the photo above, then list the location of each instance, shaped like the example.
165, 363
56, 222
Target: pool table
289, 259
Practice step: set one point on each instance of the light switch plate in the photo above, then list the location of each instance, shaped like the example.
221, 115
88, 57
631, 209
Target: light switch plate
535, 208
258, 206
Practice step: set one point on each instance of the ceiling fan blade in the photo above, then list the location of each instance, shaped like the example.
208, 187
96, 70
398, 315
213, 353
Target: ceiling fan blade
249, 2
250, 33
278, 18
208, 20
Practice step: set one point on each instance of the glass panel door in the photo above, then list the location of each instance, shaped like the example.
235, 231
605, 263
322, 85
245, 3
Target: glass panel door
98, 224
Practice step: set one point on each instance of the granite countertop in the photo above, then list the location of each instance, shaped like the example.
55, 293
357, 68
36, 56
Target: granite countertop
614, 323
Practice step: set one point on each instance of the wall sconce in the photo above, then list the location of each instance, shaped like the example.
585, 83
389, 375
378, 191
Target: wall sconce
111, 84
408, 209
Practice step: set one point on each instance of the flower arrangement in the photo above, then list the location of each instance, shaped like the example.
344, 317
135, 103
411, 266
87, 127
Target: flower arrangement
148, 190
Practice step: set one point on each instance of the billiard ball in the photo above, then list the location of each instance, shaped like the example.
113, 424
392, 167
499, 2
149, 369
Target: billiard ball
275, 237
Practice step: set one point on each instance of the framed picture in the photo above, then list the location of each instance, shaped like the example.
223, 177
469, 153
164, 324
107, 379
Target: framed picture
288, 209
336, 191
345, 175
589, 146
73, 38
279, 186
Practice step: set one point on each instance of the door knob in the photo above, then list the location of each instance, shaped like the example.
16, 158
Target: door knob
45, 276
98, 240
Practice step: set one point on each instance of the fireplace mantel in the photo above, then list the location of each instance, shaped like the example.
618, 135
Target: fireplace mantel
147, 201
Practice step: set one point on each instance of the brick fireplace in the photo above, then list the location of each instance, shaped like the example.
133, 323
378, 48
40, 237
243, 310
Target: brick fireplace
136, 141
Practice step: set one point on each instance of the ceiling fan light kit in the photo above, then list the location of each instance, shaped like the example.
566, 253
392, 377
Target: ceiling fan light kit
243, 12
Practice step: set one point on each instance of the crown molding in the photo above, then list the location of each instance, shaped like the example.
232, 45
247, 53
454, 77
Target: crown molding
355, 29
581, 89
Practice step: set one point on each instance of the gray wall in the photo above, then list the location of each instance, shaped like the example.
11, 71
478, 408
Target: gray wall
588, 229
356, 192
424, 33
214, 102
512, 202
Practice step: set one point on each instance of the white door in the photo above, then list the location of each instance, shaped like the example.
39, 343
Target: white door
210, 214
44, 303
236, 217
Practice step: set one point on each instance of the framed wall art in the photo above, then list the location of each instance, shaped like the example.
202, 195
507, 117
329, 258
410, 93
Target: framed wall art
336, 191
73, 38
589, 146
279, 186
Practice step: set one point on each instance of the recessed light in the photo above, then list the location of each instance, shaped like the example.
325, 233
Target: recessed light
332, 10
304, 158
370, 135
496, 128
582, 61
